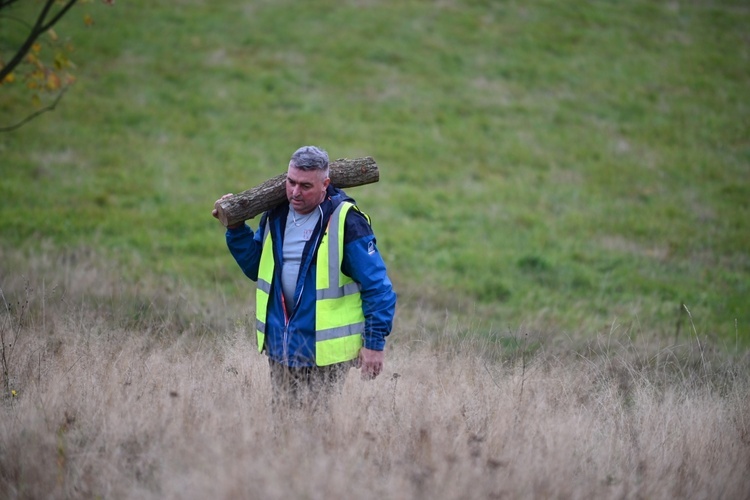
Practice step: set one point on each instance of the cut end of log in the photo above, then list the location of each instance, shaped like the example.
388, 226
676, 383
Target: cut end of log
221, 214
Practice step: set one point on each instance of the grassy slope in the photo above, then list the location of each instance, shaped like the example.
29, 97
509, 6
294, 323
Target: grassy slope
556, 165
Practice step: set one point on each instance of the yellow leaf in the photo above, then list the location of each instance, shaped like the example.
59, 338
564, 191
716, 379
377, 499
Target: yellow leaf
36, 101
38, 75
33, 59
88, 20
61, 60
9, 78
36, 48
69, 79
32, 84
52, 34
53, 81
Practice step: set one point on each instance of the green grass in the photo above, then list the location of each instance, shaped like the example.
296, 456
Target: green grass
560, 165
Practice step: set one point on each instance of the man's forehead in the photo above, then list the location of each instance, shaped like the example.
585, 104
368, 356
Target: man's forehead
299, 175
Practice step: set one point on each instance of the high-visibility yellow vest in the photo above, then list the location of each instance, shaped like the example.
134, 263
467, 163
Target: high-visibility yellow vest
339, 320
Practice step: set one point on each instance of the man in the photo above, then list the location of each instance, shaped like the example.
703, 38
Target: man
324, 301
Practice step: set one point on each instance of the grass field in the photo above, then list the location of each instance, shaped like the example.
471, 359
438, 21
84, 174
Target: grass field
563, 209
557, 165
173, 402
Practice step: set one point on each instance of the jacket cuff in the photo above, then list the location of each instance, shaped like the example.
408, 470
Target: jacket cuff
374, 343
236, 230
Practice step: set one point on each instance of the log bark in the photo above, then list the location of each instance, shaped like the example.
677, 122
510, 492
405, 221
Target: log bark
344, 173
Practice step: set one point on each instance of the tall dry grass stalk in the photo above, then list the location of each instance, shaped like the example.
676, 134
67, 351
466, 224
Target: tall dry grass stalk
173, 402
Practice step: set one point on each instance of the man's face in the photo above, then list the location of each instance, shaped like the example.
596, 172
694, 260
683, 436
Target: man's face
305, 189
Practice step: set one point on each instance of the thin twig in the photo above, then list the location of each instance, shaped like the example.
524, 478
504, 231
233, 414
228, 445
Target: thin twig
490, 374
51, 107
3, 354
697, 339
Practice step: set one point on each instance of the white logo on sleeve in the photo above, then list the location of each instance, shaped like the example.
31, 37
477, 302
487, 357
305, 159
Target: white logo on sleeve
371, 248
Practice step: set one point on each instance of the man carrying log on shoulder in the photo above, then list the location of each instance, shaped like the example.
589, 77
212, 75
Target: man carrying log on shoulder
324, 302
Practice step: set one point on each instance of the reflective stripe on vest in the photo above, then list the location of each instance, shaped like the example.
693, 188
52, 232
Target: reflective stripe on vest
339, 320
263, 286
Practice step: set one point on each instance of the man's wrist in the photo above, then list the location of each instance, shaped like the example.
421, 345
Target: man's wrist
374, 344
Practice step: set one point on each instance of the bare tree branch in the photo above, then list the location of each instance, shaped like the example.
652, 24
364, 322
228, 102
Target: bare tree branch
51, 107
58, 16
39, 28
6, 3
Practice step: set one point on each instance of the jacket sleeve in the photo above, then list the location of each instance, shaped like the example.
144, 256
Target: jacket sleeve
246, 246
363, 263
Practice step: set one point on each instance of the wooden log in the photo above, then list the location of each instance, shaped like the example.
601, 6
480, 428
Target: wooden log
344, 173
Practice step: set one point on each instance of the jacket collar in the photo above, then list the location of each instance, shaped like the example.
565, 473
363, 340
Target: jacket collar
334, 197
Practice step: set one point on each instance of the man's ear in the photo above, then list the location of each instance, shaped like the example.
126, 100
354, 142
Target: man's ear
326, 182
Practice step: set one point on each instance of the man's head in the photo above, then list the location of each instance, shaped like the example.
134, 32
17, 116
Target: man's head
307, 179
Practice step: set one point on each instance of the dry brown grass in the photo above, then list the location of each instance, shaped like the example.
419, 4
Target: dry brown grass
123, 393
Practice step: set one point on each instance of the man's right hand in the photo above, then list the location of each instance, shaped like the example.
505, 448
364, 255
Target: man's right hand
215, 211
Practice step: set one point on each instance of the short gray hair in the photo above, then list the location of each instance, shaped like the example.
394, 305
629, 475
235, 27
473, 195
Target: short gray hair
310, 158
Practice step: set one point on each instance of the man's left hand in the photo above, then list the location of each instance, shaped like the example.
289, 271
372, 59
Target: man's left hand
370, 362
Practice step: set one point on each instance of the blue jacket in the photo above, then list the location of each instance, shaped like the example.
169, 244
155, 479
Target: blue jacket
362, 262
